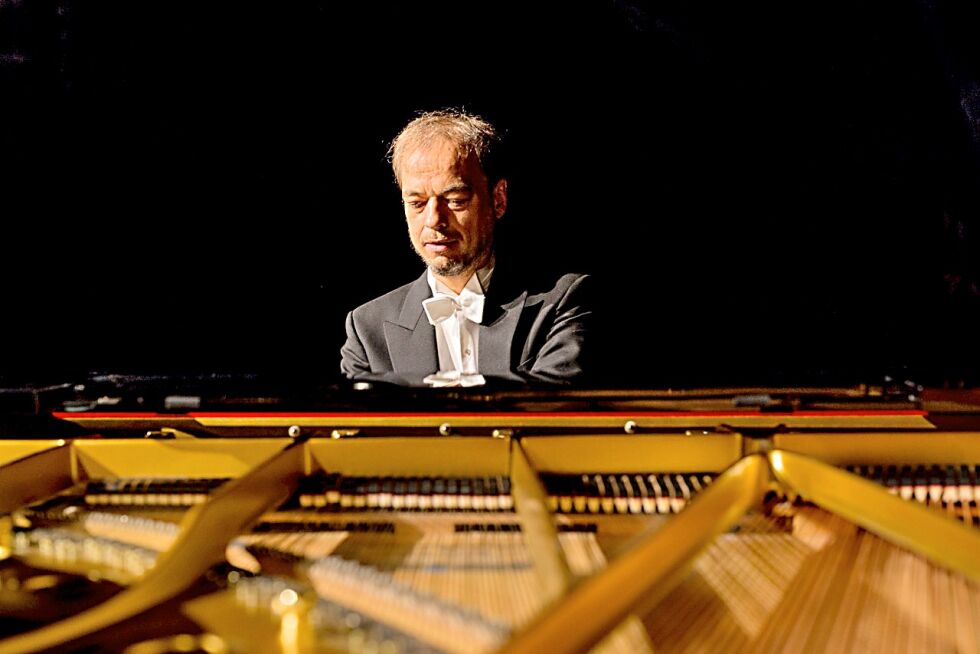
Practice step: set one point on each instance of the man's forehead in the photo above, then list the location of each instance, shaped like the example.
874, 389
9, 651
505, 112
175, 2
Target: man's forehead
441, 157
438, 154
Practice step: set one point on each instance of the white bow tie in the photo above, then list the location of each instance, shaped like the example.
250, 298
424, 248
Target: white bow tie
442, 306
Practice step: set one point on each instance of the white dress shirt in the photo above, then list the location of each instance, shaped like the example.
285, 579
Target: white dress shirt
457, 324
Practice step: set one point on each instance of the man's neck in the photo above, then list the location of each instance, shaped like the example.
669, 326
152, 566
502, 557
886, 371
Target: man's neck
457, 283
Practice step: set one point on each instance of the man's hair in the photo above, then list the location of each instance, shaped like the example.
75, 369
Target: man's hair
471, 134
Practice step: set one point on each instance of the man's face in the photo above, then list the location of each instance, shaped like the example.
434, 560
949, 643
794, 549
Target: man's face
450, 212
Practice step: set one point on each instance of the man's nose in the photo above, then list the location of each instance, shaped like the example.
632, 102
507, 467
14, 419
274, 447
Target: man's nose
435, 214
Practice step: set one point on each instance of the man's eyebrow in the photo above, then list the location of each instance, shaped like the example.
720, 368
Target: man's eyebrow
461, 187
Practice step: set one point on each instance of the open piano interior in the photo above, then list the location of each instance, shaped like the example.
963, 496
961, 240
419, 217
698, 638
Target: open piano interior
516, 521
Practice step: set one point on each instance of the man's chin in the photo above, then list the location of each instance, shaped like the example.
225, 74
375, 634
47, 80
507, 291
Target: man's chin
446, 267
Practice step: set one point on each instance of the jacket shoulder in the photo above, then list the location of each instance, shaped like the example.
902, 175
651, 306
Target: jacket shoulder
564, 284
385, 307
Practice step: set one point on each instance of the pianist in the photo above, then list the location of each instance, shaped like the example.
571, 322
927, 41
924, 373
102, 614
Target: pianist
468, 315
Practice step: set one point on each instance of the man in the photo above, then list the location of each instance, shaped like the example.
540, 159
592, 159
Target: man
462, 319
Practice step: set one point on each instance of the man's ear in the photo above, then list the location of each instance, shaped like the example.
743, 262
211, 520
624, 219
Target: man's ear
499, 198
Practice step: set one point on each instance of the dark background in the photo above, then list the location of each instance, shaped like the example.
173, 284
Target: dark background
788, 189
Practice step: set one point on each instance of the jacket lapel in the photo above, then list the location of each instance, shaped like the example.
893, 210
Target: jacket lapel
411, 339
497, 334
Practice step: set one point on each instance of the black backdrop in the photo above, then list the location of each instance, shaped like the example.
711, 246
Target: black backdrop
767, 192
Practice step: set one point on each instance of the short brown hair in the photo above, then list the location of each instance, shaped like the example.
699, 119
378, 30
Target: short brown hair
471, 134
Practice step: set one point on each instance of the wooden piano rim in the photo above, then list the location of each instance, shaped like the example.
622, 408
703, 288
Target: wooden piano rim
616, 420
65, 415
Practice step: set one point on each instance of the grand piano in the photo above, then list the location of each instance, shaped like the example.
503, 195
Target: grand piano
784, 186
143, 516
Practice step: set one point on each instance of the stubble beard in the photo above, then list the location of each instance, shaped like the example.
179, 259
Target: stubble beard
466, 264
450, 268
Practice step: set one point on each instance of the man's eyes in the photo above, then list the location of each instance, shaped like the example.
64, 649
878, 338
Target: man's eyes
452, 203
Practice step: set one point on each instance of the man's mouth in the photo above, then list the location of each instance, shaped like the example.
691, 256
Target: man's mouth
439, 245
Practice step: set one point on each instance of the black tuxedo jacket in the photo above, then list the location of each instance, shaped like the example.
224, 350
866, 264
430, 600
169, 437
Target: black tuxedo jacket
537, 332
